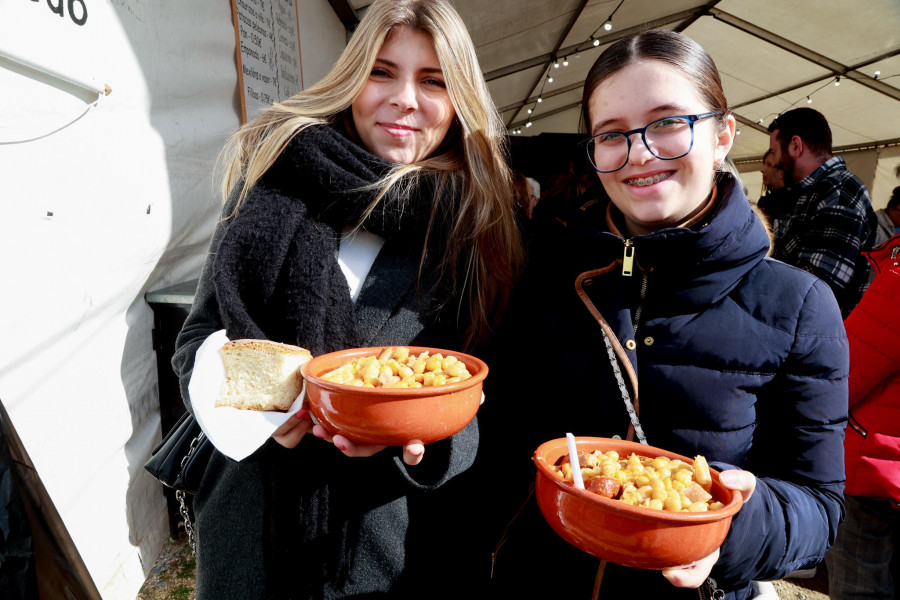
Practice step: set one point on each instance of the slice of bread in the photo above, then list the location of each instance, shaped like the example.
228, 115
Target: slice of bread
261, 375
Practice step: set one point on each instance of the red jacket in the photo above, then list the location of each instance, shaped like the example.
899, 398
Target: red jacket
872, 446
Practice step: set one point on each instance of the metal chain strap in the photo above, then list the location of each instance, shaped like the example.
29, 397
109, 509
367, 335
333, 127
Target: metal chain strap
188, 528
179, 494
629, 406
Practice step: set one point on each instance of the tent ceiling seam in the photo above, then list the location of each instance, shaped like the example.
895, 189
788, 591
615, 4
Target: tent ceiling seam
562, 38
812, 56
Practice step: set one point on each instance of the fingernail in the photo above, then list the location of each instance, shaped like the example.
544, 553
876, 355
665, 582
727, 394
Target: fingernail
302, 413
341, 447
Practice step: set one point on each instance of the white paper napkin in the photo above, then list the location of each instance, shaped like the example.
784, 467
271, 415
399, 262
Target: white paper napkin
235, 433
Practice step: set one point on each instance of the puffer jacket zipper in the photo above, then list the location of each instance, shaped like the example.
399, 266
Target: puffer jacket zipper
636, 318
709, 591
628, 259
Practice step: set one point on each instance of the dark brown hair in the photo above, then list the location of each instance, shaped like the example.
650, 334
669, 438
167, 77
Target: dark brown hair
894, 202
674, 49
807, 123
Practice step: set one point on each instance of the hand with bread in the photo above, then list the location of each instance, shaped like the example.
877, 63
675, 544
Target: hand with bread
693, 576
413, 451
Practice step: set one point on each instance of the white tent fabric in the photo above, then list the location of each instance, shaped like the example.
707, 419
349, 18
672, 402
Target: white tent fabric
106, 197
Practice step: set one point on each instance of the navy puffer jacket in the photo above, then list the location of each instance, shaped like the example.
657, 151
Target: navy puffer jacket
727, 353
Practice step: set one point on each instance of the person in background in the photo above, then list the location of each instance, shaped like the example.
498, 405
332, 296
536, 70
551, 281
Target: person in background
527, 192
888, 219
374, 208
657, 315
865, 559
775, 202
832, 220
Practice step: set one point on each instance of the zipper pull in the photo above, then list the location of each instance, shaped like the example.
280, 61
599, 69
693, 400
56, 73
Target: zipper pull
628, 259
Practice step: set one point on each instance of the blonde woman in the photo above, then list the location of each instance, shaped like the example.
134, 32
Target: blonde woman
374, 208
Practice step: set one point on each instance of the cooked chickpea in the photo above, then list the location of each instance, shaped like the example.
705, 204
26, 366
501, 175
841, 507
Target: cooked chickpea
395, 367
658, 483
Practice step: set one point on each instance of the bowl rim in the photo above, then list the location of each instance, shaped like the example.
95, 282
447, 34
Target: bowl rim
731, 507
440, 390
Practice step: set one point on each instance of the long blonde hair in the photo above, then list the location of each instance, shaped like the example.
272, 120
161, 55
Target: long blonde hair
474, 182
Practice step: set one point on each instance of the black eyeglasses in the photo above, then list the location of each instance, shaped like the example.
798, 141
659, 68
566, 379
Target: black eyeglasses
668, 138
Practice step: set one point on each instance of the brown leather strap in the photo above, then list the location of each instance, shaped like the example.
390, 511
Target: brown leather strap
598, 580
613, 339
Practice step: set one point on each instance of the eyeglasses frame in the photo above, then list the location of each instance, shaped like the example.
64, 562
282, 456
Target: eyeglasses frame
691, 119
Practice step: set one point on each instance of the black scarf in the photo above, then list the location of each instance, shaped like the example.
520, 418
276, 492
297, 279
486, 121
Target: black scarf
277, 274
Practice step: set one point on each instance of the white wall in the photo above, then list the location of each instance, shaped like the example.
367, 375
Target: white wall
94, 212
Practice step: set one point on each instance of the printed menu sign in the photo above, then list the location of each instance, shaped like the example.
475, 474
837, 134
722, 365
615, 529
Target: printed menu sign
267, 35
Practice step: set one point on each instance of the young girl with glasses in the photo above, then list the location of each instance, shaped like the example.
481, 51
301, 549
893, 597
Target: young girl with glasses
663, 301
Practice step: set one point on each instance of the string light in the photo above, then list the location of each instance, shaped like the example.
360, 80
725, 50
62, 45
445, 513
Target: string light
608, 24
837, 81
592, 40
808, 100
877, 73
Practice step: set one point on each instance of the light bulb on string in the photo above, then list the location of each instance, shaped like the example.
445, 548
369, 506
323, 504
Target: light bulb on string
737, 132
608, 25
566, 61
837, 81
555, 64
529, 111
808, 100
540, 99
595, 41
528, 124
877, 74
549, 78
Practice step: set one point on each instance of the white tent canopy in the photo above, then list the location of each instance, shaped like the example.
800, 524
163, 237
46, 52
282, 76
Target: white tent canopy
106, 197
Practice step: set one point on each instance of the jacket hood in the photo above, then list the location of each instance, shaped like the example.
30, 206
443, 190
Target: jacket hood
699, 264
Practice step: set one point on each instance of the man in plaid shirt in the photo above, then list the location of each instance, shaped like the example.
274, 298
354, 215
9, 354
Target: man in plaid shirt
832, 221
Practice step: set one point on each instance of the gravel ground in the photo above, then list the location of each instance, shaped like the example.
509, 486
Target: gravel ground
172, 578
815, 588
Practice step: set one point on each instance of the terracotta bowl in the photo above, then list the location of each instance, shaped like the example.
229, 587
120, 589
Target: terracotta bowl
392, 417
628, 535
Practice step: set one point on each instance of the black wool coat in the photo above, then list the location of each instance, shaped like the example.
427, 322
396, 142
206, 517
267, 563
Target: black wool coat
309, 522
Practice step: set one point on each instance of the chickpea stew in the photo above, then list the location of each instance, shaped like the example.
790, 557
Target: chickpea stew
658, 483
396, 367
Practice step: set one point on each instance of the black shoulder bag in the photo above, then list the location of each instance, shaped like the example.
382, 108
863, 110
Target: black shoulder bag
179, 461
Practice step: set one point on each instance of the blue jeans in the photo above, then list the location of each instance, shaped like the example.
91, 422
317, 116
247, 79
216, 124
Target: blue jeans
866, 552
